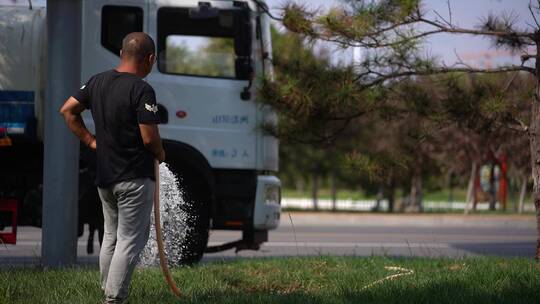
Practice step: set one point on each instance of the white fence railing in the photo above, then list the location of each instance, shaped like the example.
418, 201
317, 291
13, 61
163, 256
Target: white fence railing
369, 205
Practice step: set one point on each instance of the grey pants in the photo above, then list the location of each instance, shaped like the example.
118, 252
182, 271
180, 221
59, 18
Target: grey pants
126, 209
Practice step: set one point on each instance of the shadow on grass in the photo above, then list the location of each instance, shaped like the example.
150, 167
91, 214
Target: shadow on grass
506, 249
435, 293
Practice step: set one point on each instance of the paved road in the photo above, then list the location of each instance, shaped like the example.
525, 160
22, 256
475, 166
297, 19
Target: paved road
303, 234
394, 235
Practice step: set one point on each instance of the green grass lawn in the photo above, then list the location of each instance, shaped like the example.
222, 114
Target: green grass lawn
297, 280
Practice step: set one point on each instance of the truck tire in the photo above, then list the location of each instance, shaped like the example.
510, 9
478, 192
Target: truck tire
196, 209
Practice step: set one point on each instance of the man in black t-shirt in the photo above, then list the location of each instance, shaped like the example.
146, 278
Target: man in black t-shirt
127, 141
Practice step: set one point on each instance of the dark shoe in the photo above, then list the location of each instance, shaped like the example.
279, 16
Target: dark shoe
115, 301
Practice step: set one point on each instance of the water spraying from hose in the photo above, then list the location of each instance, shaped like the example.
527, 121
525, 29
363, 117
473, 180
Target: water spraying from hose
158, 234
174, 219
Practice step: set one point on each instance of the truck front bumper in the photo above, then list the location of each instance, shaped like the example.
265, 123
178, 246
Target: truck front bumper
267, 211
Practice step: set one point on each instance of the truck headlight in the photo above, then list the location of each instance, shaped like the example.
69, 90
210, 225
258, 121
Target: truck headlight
272, 194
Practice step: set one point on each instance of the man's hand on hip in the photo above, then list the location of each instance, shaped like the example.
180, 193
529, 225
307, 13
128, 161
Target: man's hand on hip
71, 111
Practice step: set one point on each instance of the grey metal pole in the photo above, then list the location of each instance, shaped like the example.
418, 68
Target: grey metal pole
61, 154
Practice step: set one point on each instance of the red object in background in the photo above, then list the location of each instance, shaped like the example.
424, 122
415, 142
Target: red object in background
503, 183
9, 206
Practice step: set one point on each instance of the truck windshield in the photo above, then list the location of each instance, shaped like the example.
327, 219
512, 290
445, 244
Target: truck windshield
197, 47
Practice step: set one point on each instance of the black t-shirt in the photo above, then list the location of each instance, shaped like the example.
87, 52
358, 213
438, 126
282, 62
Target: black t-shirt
119, 103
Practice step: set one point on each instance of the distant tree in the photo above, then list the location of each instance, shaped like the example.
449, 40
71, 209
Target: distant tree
478, 118
300, 163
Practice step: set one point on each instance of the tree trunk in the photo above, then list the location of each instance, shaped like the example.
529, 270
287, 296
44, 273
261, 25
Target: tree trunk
450, 186
315, 191
333, 187
300, 184
502, 191
470, 189
391, 193
534, 134
416, 193
380, 197
492, 190
522, 194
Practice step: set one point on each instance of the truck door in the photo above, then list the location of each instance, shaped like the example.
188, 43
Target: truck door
199, 79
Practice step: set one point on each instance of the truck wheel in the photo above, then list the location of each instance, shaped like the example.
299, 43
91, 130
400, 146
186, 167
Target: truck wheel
195, 208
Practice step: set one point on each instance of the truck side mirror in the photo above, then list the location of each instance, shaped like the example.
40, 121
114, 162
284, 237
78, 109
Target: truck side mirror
203, 11
242, 30
243, 41
244, 68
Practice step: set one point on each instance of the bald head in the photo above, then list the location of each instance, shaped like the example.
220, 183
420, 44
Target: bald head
137, 46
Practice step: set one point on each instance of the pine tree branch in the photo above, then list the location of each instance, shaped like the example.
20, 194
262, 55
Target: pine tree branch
449, 10
534, 16
442, 18
458, 30
345, 35
509, 83
377, 44
448, 22
347, 117
527, 57
394, 26
358, 42
381, 77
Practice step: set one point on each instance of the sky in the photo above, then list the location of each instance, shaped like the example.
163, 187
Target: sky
465, 13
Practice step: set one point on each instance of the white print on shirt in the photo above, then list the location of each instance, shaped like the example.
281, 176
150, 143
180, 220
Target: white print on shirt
84, 86
151, 108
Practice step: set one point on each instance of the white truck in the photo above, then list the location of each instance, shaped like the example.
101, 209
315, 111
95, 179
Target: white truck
209, 56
